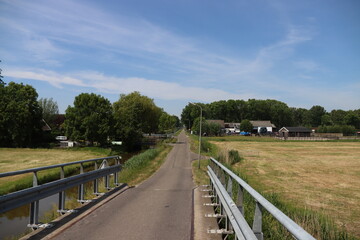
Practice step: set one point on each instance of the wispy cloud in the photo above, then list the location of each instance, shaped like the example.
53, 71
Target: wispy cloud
69, 23
115, 85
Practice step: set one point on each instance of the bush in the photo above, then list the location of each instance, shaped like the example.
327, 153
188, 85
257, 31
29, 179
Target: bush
345, 129
234, 157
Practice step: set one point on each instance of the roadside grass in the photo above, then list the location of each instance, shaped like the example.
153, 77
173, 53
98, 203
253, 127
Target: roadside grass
142, 166
321, 221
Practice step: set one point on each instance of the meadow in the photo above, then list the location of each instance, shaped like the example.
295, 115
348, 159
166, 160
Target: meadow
319, 176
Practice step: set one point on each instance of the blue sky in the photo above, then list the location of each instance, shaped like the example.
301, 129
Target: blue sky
303, 53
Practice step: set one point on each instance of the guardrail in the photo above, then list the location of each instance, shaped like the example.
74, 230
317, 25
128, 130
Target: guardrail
37, 192
222, 181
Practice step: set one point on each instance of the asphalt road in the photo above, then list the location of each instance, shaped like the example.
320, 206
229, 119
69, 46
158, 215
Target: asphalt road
159, 208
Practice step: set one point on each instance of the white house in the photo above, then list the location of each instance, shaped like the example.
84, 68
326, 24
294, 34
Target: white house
259, 124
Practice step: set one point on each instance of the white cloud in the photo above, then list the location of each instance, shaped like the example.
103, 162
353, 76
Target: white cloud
108, 84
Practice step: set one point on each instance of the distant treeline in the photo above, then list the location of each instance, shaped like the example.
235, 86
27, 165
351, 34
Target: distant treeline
92, 119
277, 112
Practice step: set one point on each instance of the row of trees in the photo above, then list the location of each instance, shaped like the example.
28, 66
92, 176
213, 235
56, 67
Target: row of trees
277, 112
92, 118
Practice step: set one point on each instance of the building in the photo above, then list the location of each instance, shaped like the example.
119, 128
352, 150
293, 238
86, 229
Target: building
232, 127
261, 124
294, 132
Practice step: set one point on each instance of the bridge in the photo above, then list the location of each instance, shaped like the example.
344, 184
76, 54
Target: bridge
166, 206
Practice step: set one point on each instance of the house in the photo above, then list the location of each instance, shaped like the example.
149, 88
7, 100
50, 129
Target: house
232, 127
263, 124
294, 132
45, 127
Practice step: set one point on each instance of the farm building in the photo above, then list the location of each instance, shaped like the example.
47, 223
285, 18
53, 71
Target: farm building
261, 124
294, 132
232, 127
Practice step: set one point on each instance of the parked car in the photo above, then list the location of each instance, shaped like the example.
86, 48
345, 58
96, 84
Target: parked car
245, 134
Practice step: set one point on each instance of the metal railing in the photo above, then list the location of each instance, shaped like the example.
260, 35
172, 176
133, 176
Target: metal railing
37, 192
222, 182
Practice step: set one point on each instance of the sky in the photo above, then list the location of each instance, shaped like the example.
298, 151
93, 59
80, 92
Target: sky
303, 53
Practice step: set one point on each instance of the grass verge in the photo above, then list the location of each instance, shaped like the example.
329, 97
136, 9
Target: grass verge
142, 166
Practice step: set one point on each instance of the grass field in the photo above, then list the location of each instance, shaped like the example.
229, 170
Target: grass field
322, 176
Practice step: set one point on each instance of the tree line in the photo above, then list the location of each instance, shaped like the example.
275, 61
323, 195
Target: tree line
92, 118
279, 113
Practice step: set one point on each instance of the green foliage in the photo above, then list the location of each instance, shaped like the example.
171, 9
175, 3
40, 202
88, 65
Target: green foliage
49, 110
90, 119
134, 115
2, 83
20, 116
315, 115
352, 119
246, 126
234, 157
276, 111
168, 123
142, 159
345, 129
326, 120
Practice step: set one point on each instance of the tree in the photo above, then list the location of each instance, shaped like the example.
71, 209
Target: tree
49, 110
246, 126
134, 115
326, 120
352, 119
1, 77
90, 119
315, 115
20, 116
338, 116
167, 123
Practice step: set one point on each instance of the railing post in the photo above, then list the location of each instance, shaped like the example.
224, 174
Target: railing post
62, 194
34, 206
96, 181
257, 224
116, 175
240, 200
107, 182
81, 186
229, 187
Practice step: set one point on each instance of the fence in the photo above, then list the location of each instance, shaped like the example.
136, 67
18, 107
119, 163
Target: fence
222, 182
37, 192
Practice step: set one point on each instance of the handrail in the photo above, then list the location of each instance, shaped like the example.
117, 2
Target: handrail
238, 222
37, 192
297, 231
22, 197
30, 170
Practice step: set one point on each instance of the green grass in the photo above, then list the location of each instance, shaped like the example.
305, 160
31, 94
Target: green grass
143, 165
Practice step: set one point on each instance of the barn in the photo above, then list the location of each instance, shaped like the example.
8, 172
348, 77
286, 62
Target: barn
294, 132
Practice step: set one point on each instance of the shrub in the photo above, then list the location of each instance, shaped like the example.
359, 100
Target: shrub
234, 157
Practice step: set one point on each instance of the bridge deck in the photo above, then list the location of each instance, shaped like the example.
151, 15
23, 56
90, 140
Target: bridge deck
159, 208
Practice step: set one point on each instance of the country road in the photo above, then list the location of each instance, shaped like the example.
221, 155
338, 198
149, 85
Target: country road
159, 208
